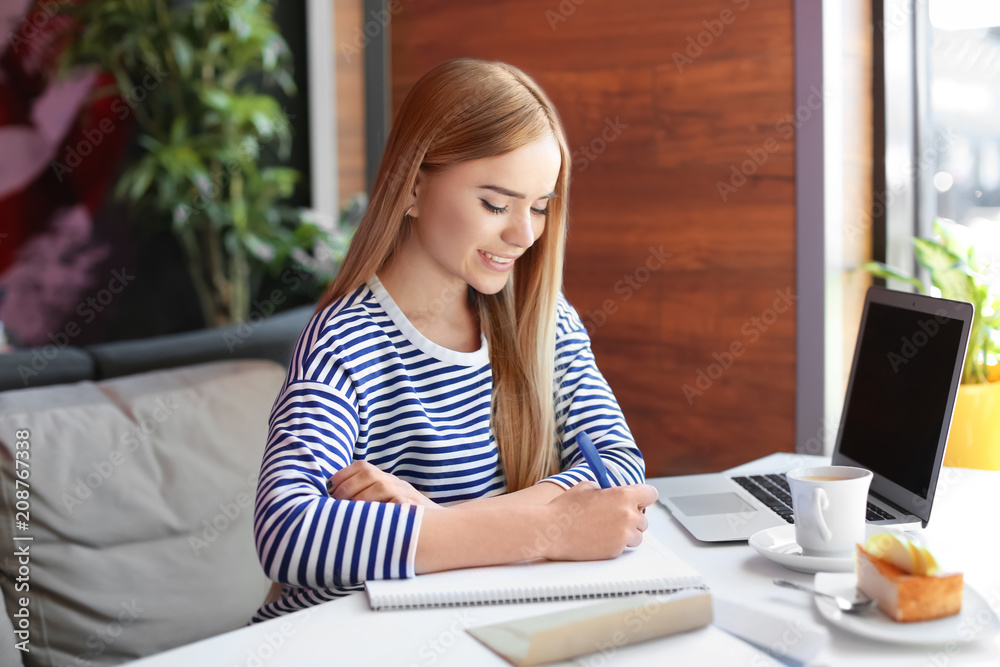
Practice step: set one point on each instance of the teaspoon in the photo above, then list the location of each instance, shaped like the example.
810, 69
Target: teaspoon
845, 605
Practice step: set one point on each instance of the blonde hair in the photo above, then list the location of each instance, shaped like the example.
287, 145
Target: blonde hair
461, 110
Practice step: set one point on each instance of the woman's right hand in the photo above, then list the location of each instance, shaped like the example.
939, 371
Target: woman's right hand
363, 481
590, 523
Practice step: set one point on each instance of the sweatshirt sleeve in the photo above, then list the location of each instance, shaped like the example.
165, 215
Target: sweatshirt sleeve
304, 536
585, 402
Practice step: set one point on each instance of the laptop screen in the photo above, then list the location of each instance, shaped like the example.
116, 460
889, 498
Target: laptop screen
896, 409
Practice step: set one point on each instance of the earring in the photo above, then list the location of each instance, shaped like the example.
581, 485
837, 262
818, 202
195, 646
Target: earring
407, 214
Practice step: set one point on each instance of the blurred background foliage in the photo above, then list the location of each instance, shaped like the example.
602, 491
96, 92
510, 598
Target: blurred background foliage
197, 76
958, 272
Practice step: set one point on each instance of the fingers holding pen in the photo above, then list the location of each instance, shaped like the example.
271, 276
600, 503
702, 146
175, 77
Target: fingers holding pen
643, 523
596, 523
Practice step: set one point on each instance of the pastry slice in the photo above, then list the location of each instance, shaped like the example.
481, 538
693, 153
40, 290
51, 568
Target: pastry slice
906, 581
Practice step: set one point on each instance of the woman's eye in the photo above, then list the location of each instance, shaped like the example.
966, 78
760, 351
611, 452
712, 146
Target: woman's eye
540, 211
495, 210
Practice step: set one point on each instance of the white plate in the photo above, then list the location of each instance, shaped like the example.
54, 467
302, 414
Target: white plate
778, 544
976, 620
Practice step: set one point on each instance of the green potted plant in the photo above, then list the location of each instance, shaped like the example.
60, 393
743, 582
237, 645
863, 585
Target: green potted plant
202, 124
959, 273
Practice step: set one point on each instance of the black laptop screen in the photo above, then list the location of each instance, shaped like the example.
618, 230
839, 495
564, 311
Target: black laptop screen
896, 408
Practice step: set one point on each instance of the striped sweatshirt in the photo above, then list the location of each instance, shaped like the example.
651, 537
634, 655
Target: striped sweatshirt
364, 384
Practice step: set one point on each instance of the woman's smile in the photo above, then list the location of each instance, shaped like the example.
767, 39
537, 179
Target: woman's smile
497, 262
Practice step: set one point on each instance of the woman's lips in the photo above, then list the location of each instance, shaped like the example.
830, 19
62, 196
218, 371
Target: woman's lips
494, 264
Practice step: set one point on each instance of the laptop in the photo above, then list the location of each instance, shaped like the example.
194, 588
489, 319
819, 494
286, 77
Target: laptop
897, 414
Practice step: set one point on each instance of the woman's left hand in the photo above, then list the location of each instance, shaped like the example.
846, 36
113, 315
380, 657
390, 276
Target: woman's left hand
363, 481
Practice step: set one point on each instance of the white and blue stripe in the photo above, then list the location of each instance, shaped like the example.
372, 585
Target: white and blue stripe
364, 384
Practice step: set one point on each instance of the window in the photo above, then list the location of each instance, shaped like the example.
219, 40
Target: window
963, 42
937, 125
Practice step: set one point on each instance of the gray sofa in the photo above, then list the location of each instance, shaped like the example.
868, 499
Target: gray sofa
126, 495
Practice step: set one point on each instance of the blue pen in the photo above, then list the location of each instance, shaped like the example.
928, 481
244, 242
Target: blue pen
593, 459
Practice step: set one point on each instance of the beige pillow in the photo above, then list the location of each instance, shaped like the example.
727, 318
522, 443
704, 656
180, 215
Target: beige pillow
10, 656
141, 508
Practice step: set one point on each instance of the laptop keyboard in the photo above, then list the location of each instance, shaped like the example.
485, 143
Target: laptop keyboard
773, 491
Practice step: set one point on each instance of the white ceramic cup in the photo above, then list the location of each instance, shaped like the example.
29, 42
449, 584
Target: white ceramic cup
830, 504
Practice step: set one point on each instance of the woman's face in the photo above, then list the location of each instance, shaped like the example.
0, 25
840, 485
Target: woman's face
474, 219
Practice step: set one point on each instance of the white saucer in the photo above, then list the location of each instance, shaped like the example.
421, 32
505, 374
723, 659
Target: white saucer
778, 544
976, 621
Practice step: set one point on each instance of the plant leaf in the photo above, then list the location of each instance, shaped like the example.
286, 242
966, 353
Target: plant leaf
934, 256
955, 238
143, 177
881, 270
949, 272
178, 130
216, 99
183, 53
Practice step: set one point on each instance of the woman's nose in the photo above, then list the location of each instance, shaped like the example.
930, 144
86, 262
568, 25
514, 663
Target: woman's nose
520, 233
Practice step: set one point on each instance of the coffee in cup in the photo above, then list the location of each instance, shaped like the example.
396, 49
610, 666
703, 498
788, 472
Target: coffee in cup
830, 504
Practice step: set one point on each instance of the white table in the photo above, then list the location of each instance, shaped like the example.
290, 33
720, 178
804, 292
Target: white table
346, 632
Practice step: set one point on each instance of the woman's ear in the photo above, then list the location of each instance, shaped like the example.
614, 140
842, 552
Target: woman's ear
413, 210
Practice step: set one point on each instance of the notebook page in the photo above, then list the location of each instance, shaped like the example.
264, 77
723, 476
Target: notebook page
650, 567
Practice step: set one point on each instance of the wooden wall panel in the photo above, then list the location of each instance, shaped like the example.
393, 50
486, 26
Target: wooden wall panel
656, 185
350, 68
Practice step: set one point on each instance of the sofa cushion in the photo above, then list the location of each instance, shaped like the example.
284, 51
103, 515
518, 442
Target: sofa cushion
9, 655
141, 504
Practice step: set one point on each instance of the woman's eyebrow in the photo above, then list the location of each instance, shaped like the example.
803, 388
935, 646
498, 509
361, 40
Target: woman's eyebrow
511, 193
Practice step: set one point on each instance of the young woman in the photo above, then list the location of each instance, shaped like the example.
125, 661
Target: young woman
431, 409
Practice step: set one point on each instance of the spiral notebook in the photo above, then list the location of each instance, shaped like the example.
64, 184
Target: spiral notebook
649, 568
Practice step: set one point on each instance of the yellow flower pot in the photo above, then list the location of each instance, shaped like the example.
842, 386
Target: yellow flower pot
974, 441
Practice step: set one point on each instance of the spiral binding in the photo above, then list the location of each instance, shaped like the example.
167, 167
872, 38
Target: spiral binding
582, 591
